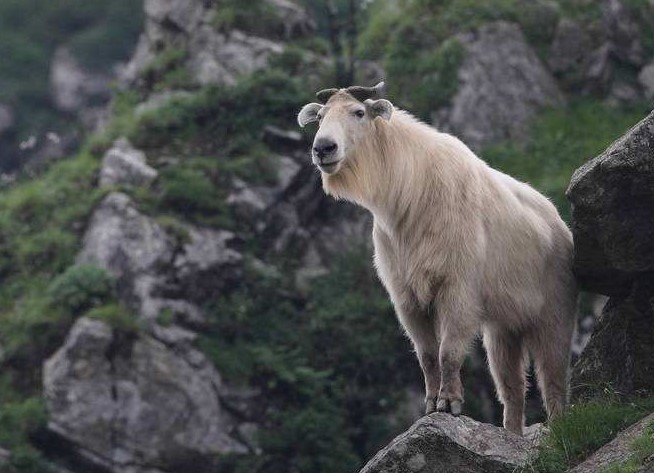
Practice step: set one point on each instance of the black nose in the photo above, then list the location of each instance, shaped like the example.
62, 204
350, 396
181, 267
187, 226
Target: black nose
324, 147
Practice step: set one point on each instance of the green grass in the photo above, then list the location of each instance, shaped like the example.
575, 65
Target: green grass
561, 141
582, 430
642, 449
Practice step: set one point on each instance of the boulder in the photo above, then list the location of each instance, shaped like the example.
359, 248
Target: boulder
7, 119
502, 86
622, 31
618, 451
125, 165
646, 80
155, 270
130, 402
612, 199
620, 353
442, 443
219, 58
214, 55
570, 47
77, 90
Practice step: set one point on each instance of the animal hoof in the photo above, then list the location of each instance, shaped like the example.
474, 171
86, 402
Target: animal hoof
442, 405
430, 406
454, 407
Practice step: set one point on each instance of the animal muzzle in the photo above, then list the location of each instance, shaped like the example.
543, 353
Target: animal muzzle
324, 150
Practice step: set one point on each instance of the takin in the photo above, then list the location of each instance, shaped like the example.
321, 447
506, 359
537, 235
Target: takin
461, 248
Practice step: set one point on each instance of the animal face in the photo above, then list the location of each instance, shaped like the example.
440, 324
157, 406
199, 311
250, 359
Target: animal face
344, 121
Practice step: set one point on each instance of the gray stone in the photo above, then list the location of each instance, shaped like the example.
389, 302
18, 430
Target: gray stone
125, 165
622, 31
134, 403
620, 353
441, 443
76, 90
213, 56
7, 119
294, 20
612, 199
616, 452
646, 80
502, 86
217, 58
570, 47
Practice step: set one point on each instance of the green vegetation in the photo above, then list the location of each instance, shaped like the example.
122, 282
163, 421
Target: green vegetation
561, 141
167, 71
255, 16
100, 33
328, 390
642, 449
584, 429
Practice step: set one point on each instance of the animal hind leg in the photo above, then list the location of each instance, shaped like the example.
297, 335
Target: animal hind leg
506, 359
551, 359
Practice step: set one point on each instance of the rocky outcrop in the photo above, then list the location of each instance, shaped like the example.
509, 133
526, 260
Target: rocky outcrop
442, 443
7, 119
79, 91
156, 270
131, 403
612, 200
212, 54
125, 165
618, 451
502, 86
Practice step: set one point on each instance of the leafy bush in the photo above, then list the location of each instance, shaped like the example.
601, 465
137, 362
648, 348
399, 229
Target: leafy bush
117, 317
80, 288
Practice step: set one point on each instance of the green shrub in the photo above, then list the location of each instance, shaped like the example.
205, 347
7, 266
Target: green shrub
117, 317
167, 71
20, 420
80, 288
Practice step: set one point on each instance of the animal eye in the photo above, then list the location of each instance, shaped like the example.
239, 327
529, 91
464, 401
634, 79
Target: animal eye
359, 113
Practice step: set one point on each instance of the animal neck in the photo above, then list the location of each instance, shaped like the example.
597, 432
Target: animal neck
385, 175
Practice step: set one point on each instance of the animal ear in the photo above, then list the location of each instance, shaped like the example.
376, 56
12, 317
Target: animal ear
380, 108
308, 114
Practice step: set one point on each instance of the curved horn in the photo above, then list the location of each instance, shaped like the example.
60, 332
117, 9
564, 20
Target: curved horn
324, 95
365, 93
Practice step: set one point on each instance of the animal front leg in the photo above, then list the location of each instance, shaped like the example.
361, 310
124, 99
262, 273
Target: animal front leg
420, 326
458, 326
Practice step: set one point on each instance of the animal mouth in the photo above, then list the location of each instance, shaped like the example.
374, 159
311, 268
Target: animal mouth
328, 167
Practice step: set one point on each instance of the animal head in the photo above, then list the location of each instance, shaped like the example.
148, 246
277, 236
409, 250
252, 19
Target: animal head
346, 117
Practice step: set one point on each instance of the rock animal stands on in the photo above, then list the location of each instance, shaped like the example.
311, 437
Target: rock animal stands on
460, 247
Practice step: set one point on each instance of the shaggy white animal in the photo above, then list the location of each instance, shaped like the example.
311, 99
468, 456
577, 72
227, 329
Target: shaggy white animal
460, 247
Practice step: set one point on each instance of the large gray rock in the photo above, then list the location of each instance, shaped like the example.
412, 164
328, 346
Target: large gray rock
618, 451
79, 91
612, 199
620, 353
622, 31
213, 55
441, 443
570, 48
125, 165
132, 403
7, 119
646, 80
502, 86
153, 269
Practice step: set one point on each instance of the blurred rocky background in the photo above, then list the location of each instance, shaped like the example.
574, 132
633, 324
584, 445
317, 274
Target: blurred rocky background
176, 292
